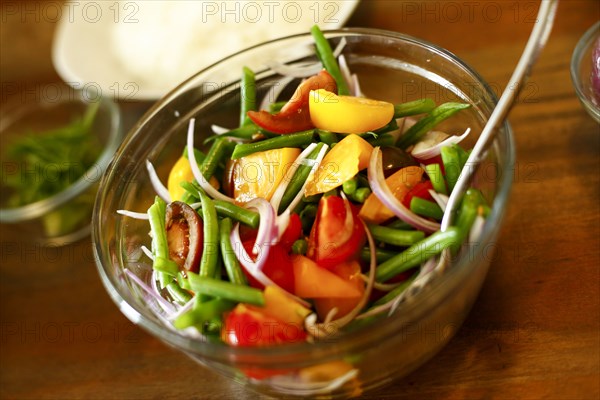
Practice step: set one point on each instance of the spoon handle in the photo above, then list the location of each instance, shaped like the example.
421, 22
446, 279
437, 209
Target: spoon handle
535, 43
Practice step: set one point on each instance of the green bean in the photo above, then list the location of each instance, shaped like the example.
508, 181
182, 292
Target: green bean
210, 245
467, 214
248, 95
164, 279
383, 140
224, 208
300, 246
361, 194
298, 180
349, 186
426, 208
452, 165
381, 254
232, 265
217, 153
292, 140
178, 294
399, 224
434, 171
204, 313
225, 290
394, 236
425, 124
416, 107
160, 247
417, 253
327, 137
395, 292
326, 56
240, 214
248, 131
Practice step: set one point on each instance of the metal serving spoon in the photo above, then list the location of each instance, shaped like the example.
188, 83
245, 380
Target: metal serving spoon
535, 43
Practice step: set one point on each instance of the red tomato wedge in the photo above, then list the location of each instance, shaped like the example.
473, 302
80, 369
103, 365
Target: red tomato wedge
292, 232
421, 190
294, 115
335, 236
278, 267
249, 327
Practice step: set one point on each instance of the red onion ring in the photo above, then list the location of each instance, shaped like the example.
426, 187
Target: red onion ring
211, 191
385, 195
435, 150
158, 186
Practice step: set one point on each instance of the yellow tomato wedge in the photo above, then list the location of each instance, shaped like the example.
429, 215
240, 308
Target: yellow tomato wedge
284, 308
373, 211
259, 174
350, 272
314, 282
182, 172
348, 114
342, 163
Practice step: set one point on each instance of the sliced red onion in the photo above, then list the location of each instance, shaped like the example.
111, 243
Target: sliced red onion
208, 188
133, 214
357, 89
182, 310
218, 130
326, 329
274, 91
298, 70
440, 199
316, 162
158, 186
385, 195
434, 150
345, 70
147, 252
280, 191
156, 296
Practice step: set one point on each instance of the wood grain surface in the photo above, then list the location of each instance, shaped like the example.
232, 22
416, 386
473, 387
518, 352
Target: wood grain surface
534, 332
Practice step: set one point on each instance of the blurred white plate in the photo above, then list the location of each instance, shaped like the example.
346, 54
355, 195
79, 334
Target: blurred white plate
140, 50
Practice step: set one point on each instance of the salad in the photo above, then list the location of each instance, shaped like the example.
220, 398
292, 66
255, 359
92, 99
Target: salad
315, 215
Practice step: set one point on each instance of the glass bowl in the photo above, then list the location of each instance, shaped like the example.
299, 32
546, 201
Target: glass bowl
391, 67
586, 58
65, 216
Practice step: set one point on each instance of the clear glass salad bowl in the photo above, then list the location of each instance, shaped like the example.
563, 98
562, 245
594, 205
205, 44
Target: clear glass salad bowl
391, 67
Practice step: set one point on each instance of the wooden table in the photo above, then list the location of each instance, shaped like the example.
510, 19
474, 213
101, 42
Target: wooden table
534, 331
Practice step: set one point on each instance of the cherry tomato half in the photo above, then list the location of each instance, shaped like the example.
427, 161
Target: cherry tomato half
332, 239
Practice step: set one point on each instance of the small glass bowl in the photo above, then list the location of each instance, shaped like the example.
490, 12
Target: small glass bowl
585, 55
44, 108
391, 67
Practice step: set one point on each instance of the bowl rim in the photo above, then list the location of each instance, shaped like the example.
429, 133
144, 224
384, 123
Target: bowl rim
36, 209
328, 350
583, 44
